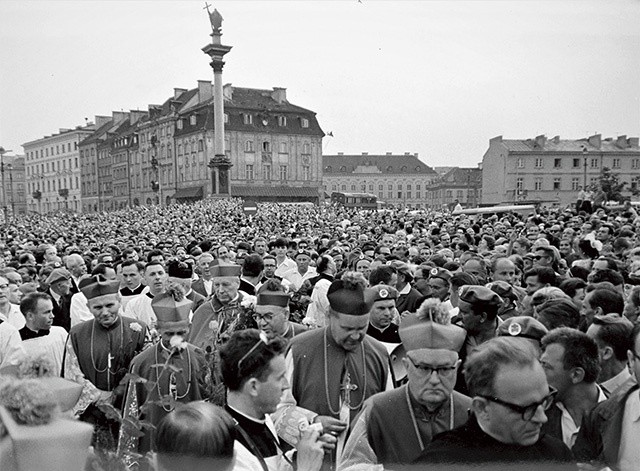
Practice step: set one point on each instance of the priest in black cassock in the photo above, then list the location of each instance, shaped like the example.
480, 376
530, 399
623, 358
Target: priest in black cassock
333, 370
175, 370
382, 315
99, 351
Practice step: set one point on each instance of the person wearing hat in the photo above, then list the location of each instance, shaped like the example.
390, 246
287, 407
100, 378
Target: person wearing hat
99, 351
184, 375
523, 327
478, 314
39, 336
333, 370
395, 426
440, 284
408, 297
381, 317
59, 283
272, 312
181, 273
226, 311
509, 306
155, 277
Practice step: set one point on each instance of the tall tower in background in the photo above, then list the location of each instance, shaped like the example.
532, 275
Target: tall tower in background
220, 163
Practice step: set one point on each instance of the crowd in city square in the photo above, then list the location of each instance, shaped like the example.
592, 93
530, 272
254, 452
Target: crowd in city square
320, 337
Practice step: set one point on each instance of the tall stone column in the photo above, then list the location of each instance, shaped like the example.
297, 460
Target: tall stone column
219, 164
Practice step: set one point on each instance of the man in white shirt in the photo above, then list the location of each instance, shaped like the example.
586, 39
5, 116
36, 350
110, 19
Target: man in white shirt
284, 263
611, 333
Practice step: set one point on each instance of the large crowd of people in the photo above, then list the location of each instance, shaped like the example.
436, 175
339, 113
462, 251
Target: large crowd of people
321, 337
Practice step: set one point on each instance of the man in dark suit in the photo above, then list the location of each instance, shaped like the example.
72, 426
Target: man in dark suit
59, 282
204, 284
181, 273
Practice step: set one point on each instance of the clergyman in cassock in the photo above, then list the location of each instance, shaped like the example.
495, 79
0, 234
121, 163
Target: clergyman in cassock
99, 352
272, 312
253, 368
395, 426
333, 370
183, 372
381, 317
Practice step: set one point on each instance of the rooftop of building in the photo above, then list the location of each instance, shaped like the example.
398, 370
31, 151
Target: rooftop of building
384, 163
593, 143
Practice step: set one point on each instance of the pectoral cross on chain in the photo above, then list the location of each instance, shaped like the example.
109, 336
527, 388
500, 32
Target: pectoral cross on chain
345, 412
346, 388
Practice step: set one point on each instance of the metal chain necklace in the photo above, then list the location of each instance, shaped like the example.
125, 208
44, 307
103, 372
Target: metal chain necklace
326, 379
172, 376
109, 356
415, 422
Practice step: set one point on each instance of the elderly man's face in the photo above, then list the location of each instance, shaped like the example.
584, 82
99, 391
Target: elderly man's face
272, 320
225, 288
348, 331
204, 265
432, 375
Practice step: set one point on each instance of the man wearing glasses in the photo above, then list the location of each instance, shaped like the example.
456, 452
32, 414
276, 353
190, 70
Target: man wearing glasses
272, 312
395, 426
510, 395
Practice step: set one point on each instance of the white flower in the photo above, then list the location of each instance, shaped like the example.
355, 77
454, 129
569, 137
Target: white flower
213, 325
177, 342
249, 302
135, 327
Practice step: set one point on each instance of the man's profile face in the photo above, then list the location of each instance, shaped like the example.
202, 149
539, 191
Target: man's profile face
523, 387
552, 363
587, 312
270, 390
105, 308
348, 331
532, 284
470, 320
225, 288
61, 287
43, 315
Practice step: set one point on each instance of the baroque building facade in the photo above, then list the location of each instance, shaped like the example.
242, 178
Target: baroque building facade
462, 185
398, 180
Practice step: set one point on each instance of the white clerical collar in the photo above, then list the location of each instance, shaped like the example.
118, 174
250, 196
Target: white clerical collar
252, 419
378, 328
405, 290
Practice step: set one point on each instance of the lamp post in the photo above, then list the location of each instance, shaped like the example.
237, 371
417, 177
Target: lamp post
584, 157
4, 194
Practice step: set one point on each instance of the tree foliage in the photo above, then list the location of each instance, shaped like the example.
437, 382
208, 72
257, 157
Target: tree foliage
611, 185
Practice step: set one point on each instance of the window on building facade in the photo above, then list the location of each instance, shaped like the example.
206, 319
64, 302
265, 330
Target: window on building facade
200, 145
593, 181
537, 184
343, 188
266, 172
282, 120
248, 118
418, 195
635, 163
380, 187
353, 188
556, 183
192, 120
576, 163
520, 162
306, 148
371, 188
575, 183
179, 124
539, 162
248, 174
390, 195
594, 163
408, 195
635, 183
266, 146
616, 163
304, 122
306, 172
283, 172
248, 146
334, 187
283, 147
390, 187
399, 195
557, 163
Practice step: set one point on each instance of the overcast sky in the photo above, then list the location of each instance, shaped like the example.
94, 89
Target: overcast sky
435, 78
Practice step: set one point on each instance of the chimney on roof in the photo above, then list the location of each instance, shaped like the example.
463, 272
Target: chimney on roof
227, 91
135, 116
279, 94
633, 142
61, 130
621, 142
556, 139
595, 140
177, 92
407, 153
365, 153
415, 154
100, 120
540, 141
389, 153
119, 116
340, 153
205, 90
